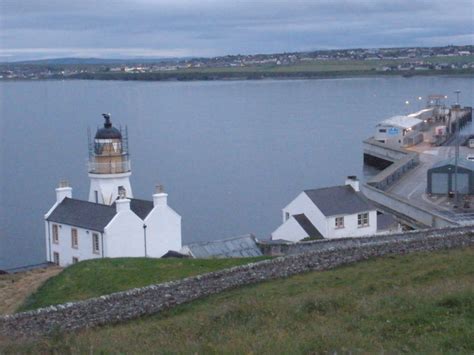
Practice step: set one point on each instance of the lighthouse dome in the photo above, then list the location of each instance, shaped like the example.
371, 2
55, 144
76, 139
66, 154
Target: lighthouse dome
108, 131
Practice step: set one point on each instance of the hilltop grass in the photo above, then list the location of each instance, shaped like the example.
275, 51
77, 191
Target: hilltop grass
420, 303
92, 278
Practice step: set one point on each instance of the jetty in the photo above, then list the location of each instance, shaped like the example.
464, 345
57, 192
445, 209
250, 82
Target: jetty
425, 178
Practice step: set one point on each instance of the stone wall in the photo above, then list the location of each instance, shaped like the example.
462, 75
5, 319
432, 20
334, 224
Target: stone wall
273, 248
134, 303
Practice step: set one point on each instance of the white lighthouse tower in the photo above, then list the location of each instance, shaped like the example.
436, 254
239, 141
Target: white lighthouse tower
109, 164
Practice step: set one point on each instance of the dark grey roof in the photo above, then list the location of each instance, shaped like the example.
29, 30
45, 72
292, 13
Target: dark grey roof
237, 247
308, 227
83, 214
462, 162
339, 200
385, 221
140, 207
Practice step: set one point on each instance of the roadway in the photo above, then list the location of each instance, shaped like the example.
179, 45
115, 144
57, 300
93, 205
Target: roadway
412, 185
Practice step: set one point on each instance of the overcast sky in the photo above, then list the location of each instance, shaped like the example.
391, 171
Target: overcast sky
177, 28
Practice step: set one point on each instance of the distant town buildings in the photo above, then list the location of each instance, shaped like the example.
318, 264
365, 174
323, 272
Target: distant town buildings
380, 60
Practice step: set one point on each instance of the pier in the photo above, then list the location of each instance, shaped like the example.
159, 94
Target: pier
400, 187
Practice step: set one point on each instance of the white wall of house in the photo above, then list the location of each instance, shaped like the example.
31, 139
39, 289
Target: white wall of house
290, 230
124, 236
303, 204
351, 227
64, 246
163, 232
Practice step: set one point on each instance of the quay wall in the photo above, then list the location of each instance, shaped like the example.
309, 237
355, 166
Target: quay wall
407, 208
148, 300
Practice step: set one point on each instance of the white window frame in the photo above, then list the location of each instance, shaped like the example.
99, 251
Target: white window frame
95, 243
363, 220
339, 222
55, 232
75, 259
74, 238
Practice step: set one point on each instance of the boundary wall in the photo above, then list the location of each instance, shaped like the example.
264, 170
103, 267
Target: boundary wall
122, 306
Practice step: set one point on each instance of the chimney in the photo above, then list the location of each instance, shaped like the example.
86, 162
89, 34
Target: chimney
160, 197
122, 204
63, 191
354, 182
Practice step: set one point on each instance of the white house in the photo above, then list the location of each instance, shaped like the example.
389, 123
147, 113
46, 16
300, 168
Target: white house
332, 212
112, 223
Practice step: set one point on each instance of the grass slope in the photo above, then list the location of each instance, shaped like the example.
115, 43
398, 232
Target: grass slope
417, 303
94, 278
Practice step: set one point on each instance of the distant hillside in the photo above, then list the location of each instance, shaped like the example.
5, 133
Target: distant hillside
91, 61
418, 303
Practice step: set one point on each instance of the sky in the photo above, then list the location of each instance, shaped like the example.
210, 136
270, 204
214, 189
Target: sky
37, 29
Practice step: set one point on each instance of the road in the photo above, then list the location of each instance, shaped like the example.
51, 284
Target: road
412, 185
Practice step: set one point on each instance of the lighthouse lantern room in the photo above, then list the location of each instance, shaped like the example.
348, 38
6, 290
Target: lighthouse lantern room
109, 164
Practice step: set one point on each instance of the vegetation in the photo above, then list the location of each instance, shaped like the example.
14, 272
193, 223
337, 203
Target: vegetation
420, 303
256, 73
92, 278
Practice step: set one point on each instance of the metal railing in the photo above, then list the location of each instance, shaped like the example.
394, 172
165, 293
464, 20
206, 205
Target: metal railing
109, 168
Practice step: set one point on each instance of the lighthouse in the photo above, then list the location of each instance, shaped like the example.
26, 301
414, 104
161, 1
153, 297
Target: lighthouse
112, 223
109, 164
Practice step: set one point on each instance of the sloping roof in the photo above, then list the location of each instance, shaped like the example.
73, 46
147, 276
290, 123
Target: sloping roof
83, 214
237, 247
140, 207
462, 162
385, 221
339, 200
308, 227
401, 121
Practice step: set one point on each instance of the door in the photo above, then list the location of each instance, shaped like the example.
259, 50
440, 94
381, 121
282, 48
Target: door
439, 183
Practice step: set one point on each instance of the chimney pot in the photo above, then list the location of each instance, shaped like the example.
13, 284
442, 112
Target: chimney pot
354, 182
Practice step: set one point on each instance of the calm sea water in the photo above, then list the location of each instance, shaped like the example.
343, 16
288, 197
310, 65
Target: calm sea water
230, 154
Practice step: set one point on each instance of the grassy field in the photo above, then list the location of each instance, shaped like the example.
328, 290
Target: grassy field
310, 69
93, 278
421, 303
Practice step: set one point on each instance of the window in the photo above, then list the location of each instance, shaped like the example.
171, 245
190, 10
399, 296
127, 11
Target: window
75, 260
74, 240
363, 219
56, 258
95, 243
287, 216
55, 234
96, 196
382, 130
339, 222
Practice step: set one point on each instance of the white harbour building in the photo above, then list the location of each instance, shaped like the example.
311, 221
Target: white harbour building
111, 223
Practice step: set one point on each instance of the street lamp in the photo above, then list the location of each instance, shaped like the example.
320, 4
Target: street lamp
407, 103
457, 92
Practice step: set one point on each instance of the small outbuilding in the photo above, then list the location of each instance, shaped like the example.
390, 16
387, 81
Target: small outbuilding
441, 177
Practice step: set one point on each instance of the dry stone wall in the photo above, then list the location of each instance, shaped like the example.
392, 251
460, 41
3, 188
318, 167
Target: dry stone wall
131, 304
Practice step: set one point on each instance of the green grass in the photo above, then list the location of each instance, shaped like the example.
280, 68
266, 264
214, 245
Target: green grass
311, 69
94, 278
420, 303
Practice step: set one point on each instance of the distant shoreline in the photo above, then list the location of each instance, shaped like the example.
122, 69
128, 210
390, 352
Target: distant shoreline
251, 75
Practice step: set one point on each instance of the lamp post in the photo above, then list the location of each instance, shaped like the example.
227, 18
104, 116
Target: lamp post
456, 156
407, 103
